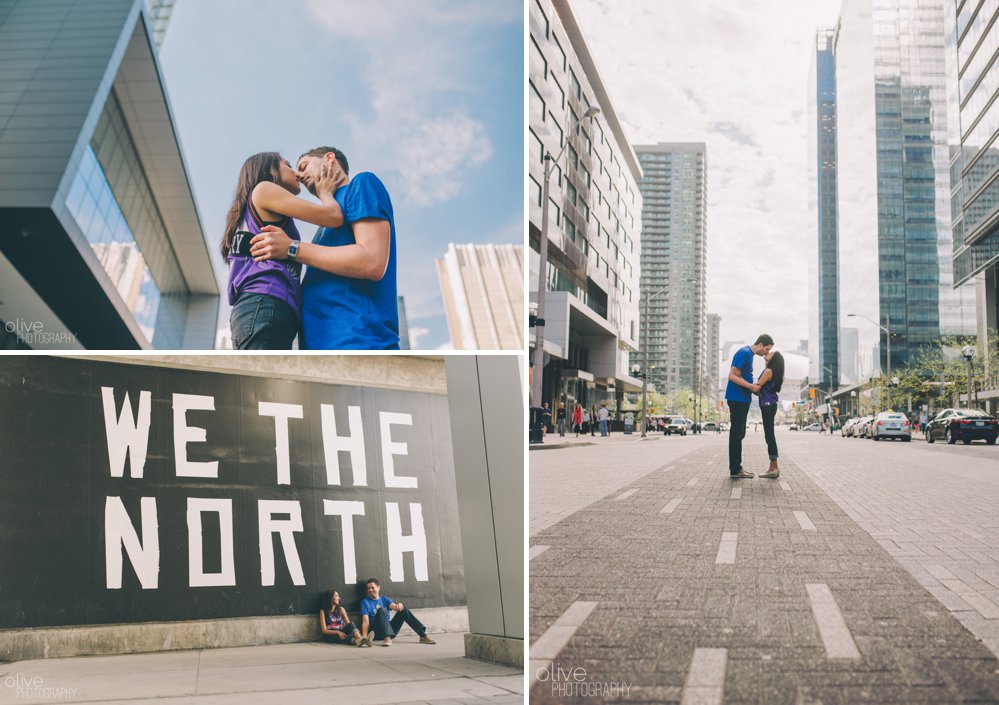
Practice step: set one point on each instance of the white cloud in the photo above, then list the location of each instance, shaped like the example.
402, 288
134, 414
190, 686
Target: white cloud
440, 150
734, 77
416, 333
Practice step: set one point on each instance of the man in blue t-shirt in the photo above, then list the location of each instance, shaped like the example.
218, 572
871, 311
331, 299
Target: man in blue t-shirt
374, 617
739, 395
349, 288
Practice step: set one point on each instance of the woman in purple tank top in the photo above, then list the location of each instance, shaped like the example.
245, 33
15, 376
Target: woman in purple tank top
336, 625
266, 296
770, 383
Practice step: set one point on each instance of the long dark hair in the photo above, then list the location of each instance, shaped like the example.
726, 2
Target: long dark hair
776, 367
260, 167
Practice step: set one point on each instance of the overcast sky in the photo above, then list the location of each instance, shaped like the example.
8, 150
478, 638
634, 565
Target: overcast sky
429, 96
732, 75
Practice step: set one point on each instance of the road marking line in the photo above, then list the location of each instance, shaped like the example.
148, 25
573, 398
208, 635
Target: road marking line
705, 684
835, 634
692, 482
627, 494
804, 522
784, 486
736, 493
727, 546
673, 504
548, 645
538, 550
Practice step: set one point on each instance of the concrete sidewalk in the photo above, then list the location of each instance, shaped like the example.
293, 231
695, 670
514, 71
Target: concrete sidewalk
314, 672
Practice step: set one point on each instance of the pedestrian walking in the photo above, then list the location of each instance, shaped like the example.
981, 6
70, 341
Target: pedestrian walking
923, 419
770, 383
604, 419
586, 421
546, 419
577, 418
739, 395
593, 420
560, 418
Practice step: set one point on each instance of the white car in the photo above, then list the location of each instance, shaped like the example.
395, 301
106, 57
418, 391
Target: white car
813, 427
890, 424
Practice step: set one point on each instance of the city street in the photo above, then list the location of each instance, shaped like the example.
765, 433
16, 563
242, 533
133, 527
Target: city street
868, 573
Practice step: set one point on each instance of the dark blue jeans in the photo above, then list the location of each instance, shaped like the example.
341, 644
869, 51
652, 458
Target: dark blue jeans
738, 411
769, 411
262, 322
382, 627
348, 630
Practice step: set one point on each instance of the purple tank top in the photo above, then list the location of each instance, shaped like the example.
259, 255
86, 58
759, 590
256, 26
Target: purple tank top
767, 394
281, 279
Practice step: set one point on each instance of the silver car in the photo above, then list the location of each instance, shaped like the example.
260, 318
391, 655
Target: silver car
890, 424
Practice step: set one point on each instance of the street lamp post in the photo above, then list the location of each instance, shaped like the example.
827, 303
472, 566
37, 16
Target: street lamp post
887, 331
969, 353
539, 324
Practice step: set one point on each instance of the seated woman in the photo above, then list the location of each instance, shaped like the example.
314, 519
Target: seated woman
336, 625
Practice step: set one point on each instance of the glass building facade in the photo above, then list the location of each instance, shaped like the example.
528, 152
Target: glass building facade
893, 166
673, 263
824, 292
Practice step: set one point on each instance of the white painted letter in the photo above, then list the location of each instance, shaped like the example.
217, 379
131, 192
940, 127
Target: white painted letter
196, 506
119, 533
415, 543
352, 443
390, 448
184, 434
285, 528
346, 511
281, 414
124, 434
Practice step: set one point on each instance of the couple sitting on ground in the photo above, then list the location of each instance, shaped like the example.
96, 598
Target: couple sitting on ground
375, 624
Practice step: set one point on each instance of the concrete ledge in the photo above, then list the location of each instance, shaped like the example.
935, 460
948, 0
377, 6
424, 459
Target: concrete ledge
107, 639
495, 649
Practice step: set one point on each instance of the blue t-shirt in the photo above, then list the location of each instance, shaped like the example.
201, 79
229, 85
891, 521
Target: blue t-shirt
744, 361
369, 606
340, 313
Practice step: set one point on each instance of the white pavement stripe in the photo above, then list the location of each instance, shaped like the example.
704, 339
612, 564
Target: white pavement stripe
625, 495
692, 482
727, 546
538, 550
804, 522
736, 493
673, 504
835, 634
784, 486
705, 684
548, 645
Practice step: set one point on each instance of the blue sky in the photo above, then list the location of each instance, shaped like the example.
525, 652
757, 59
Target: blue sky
428, 95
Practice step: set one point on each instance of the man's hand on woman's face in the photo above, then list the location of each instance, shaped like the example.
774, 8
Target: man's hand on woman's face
271, 243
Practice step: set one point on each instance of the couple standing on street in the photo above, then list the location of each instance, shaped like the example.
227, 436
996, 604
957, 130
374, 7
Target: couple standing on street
739, 395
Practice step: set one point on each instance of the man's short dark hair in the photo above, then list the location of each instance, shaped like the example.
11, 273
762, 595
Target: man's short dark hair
370, 580
764, 339
322, 151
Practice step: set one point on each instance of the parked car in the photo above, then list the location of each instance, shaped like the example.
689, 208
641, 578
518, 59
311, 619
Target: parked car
965, 425
675, 425
847, 428
861, 427
890, 424
793, 427
710, 426
813, 427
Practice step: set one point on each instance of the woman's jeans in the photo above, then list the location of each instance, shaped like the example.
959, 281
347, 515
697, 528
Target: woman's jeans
349, 630
262, 322
769, 411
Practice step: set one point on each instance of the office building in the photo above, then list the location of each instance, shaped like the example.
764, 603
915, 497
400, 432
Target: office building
483, 291
973, 34
673, 263
710, 388
893, 182
823, 280
594, 217
404, 341
104, 246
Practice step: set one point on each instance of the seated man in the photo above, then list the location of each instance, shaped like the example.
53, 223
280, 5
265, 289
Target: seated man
374, 618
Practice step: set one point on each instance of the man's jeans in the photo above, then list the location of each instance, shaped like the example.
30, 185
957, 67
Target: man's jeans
561, 427
769, 411
382, 627
739, 412
262, 322
603, 428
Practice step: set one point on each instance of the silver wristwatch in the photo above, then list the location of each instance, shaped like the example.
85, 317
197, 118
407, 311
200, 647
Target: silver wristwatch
293, 250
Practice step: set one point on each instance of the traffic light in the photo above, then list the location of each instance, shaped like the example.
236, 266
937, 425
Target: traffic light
811, 393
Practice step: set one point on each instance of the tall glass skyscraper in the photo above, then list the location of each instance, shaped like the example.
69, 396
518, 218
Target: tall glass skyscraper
823, 283
895, 236
674, 254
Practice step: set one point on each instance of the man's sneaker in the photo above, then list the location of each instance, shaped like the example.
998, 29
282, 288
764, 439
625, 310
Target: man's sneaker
370, 638
387, 642
425, 639
357, 638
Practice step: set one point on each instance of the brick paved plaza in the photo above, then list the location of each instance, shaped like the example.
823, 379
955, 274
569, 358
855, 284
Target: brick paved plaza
868, 573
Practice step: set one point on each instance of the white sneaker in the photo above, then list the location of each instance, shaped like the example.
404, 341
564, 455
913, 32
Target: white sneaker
370, 638
387, 642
